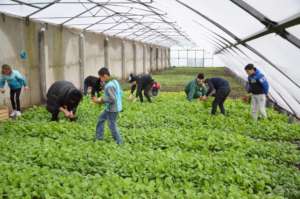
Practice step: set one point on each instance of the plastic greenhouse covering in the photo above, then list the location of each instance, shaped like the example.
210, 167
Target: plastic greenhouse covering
263, 32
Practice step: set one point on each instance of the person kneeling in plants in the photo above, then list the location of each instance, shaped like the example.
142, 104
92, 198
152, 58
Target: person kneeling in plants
113, 105
220, 89
15, 82
64, 97
196, 89
259, 87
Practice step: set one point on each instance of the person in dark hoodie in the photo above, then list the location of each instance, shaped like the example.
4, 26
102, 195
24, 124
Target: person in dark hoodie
141, 83
93, 82
64, 97
220, 89
259, 87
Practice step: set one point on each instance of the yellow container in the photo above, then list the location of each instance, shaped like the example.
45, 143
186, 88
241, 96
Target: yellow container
4, 113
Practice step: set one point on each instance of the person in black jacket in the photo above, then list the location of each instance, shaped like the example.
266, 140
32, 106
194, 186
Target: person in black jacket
220, 89
63, 97
141, 83
93, 82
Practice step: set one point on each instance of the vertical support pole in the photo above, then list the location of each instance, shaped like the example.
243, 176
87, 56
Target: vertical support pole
165, 58
195, 57
123, 60
161, 59
106, 52
168, 58
203, 58
43, 62
81, 59
134, 58
156, 59
187, 57
144, 59
151, 58
178, 57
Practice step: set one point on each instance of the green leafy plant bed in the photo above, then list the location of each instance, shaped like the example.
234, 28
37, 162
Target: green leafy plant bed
173, 149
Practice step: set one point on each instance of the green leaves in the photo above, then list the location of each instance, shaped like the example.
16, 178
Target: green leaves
173, 149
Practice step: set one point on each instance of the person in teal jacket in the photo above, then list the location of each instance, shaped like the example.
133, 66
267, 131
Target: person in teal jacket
196, 89
113, 105
15, 82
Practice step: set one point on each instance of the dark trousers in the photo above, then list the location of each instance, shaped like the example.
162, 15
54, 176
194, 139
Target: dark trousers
85, 88
146, 90
220, 97
15, 99
54, 115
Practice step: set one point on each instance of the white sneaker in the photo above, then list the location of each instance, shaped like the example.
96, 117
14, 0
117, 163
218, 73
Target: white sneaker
13, 113
18, 113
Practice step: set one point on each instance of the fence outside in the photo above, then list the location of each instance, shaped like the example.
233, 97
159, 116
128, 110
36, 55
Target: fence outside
191, 58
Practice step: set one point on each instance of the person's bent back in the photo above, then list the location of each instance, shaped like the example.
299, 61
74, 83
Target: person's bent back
220, 89
141, 83
64, 97
93, 82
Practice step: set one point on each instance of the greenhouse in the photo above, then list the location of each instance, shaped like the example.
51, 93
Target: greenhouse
150, 99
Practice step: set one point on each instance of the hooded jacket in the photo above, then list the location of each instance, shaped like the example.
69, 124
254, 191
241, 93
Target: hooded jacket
15, 80
59, 96
257, 83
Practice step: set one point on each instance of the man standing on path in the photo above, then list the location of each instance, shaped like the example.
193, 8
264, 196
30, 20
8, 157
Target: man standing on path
258, 86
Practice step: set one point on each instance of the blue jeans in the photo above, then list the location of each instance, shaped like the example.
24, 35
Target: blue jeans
111, 117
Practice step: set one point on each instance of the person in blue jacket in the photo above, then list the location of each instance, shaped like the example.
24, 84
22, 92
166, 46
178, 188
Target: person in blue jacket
113, 105
16, 82
258, 86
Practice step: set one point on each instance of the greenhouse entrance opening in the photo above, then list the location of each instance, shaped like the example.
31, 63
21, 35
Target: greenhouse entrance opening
193, 57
